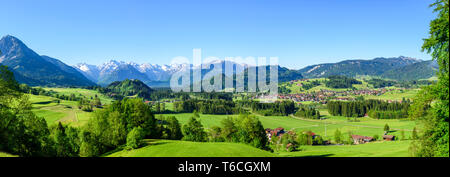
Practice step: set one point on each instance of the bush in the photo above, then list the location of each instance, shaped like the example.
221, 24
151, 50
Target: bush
134, 138
375, 137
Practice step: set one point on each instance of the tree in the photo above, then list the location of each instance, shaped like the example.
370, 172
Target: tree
163, 107
386, 128
21, 131
193, 131
402, 135
215, 134
434, 138
134, 138
375, 137
173, 128
158, 107
97, 103
228, 129
337, 136
414, 136
251, 131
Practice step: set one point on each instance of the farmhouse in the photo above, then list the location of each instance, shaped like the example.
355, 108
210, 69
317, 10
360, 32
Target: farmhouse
275, 132
358, 139
388, 137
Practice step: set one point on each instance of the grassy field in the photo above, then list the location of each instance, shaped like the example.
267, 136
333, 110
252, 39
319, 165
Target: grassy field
85, 92
4, 154
395, 95
295, 88
373, 149
364, 126
66, 111
171, 148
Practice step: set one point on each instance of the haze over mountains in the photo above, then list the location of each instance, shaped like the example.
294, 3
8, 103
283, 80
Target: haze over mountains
39, 70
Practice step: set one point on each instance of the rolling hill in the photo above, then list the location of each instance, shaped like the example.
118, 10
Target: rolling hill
351, 68
131, 87
416, 71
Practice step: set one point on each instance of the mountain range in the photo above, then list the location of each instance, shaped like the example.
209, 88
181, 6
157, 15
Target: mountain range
33, 69
40, 70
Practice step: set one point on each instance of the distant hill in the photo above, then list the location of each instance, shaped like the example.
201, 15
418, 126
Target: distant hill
35, 70
351, 68
121, 73
128, 87
416, 71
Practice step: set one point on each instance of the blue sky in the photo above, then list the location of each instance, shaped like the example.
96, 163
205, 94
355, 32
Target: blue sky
299, 32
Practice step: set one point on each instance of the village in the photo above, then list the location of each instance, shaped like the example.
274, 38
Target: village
323, 96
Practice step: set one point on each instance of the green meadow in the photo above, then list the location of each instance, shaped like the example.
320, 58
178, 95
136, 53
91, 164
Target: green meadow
373, 149
66, 111
85, 92
364, 126
4, 154
173, 148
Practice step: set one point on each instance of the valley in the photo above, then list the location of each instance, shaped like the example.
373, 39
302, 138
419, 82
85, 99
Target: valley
67, 112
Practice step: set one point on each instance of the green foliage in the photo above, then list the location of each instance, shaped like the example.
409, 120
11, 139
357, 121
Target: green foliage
337, 136
281, 108
193, 131
171, 128
134, 138
308, 85
308, 112
374, 108
213, 106
416, 71
380, 83
66, 140
386, 128
251, 131
341, 82
214, 134
415, 136
375, 137
120, 89
21, 131
229, 130
434, 139
110, 126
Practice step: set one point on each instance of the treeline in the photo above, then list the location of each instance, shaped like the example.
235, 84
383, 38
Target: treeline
214, 95
278, 108
377, 108
243, 129
40, 91
341, 82
380, 83
308, 85
88, 105
307, 112
21, 131
213, 106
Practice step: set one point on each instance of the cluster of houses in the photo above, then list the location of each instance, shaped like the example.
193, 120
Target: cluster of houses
358, 139
323, 95
275, 132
